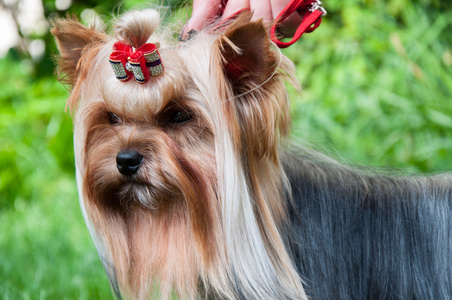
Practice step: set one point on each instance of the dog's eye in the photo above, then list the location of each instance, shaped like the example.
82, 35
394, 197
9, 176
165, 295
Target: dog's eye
179, 117
113, 118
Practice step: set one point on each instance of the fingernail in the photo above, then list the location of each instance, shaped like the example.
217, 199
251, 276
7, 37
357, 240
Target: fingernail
182, 33
185, 36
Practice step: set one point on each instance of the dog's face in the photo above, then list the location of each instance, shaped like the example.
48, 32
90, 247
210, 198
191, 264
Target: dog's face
147, 153
145, 145
179, 177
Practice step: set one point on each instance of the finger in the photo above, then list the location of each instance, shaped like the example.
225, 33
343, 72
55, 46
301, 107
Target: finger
262, 9
234, 6
204, 14
278, 6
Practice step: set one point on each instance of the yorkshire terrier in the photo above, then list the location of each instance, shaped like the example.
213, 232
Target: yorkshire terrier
188, 193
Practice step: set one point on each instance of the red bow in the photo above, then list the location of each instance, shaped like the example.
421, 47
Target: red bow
141, 64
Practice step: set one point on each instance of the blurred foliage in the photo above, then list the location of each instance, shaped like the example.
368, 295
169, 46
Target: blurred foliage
378, 83
377, 78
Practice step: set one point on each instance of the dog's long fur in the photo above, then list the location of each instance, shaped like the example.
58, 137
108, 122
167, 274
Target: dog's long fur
369, 236
217, 210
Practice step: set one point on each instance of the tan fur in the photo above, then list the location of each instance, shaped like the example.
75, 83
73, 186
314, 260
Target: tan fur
78, 46
134, 29
202, 216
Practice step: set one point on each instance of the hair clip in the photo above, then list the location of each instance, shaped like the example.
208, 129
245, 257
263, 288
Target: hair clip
141, 64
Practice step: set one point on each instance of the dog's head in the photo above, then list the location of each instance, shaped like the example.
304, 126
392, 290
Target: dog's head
179, 176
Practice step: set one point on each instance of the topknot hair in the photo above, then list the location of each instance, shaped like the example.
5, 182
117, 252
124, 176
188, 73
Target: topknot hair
134, 28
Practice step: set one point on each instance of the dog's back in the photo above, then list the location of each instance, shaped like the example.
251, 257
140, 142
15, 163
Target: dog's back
367, 236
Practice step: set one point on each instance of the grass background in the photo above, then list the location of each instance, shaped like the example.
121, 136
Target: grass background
377, 78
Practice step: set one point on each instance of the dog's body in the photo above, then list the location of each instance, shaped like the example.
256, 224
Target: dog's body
185, 190
368, 236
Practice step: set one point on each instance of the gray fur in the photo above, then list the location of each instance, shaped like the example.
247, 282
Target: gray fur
361, 235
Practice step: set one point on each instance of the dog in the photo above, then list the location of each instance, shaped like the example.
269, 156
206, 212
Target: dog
189, 188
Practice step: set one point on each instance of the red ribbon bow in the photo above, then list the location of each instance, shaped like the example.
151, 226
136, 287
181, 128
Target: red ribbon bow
141, 64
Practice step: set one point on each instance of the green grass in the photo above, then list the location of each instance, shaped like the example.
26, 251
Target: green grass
377, 90
45, 249
46, 252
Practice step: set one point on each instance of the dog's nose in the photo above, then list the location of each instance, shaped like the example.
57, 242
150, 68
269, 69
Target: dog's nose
128, 162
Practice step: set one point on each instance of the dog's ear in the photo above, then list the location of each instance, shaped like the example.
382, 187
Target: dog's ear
246, 53
252, 68
73, 40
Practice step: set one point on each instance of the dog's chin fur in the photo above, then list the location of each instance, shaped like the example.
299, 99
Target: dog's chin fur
166, 205
213, 210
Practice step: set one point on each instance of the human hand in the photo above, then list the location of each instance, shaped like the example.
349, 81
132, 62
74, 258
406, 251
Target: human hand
206, 12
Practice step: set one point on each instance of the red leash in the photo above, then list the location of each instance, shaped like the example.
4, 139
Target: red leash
313, 13
311, 10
